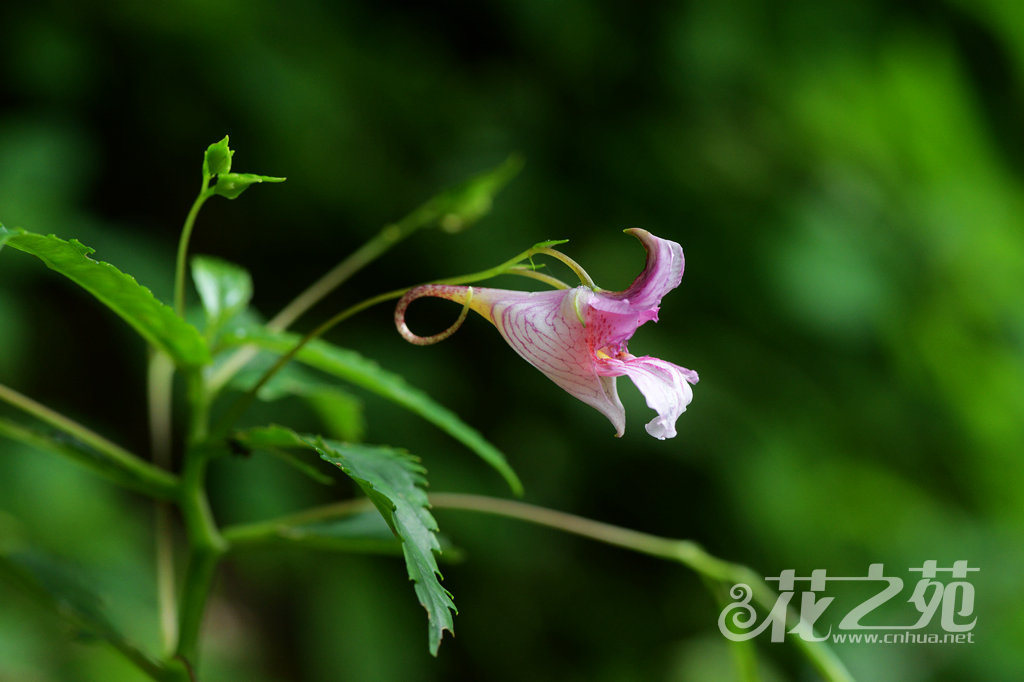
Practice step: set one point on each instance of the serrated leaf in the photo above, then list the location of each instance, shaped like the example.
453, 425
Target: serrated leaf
394, 481
58, 587
230, 185
134, 303
156, 483
360, 371
279, 450
217, 158
339, 411
225, 289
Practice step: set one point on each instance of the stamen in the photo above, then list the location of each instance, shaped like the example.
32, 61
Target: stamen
576, 305
450, 293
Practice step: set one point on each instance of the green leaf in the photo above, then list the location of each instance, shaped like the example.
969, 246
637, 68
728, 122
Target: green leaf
230, 185
339, 411
360, 371
134, 303
58, 587
290, 380
144, 477
225, 289
549, 243
217, 163
394, 481
217, 158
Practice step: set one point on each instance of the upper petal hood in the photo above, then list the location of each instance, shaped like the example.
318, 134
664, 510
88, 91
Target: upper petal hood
662, 273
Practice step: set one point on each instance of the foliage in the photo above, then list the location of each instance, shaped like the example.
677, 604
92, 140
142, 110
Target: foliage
391, 479
845, 178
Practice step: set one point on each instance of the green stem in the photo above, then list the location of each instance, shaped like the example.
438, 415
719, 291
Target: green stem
686, 552
202, 567
356, 261
204, 539
743, 652
206, 546
130, 468
509, 267
186, 234
380, 243
199, 408
167, 608
430, 212
255, 533
159, 384
160, 380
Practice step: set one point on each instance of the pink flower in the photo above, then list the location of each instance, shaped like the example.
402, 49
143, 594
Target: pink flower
577, 337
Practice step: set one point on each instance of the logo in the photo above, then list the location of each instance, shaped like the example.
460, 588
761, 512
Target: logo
943, 593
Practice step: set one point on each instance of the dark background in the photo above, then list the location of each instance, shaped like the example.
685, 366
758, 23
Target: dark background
845, 179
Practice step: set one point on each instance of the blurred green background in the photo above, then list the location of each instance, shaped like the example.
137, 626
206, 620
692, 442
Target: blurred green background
845, 179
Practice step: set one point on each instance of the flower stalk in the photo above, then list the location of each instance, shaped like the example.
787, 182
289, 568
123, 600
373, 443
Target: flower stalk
686, 552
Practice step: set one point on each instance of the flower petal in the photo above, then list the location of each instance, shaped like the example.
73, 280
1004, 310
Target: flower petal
662, 273
665, 386
545, 329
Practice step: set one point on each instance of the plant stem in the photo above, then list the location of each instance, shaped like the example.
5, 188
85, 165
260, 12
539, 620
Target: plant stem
255, 533
510, 267
161, 391
186, 234
160, 379
437, 209
131, 469
686, 552
161, 396
356, 261
205, 542
167, 608
206, 546
743, 653
386, 238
